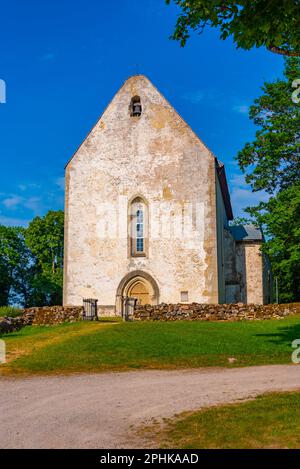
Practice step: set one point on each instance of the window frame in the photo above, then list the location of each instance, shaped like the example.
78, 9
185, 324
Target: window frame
138, 204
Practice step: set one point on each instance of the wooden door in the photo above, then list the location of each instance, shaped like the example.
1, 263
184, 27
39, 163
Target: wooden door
140, 291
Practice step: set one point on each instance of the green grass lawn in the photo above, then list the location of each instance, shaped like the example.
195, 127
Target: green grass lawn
269, 421
114, 345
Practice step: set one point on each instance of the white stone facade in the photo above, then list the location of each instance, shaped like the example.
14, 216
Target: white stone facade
157, 160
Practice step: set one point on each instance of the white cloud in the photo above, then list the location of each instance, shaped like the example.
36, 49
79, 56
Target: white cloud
60, 182
241, 108
242, 195
30, 199
10, 221
238, 180
194, 97
30, 185
34, 204
12, 202
15, 201
48, 56
212, 96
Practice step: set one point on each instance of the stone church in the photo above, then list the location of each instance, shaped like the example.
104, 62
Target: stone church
147, 214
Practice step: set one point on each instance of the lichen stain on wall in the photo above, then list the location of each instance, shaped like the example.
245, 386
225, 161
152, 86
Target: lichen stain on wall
167, 193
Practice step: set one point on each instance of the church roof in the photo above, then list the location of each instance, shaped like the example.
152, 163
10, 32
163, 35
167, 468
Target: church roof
224, 188
246, 233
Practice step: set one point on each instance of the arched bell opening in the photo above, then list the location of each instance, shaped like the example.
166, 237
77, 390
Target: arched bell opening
135, 107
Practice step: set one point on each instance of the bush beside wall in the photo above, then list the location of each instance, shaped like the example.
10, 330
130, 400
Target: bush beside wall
10, 312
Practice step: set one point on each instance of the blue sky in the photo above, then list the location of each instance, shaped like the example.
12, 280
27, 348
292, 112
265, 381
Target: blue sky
63, 61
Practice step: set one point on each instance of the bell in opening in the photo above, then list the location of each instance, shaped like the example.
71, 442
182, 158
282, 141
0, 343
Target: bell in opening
135, 106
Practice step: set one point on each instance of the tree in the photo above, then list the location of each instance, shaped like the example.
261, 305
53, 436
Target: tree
274, 24
272, 163
275, 153
280, 219
16, 268
45, 238
5, 279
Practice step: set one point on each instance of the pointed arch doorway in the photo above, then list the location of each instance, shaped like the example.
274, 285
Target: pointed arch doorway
140, 291
138, 285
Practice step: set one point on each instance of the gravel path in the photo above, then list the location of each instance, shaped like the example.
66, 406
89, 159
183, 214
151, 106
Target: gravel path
99, 410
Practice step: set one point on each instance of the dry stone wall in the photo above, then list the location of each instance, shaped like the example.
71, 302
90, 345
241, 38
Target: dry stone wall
209, 312
10, 325
53, 314
47, 315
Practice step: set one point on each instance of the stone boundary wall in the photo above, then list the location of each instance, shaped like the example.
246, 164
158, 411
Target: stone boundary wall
46, 315
10, 324
52, 314
210, 312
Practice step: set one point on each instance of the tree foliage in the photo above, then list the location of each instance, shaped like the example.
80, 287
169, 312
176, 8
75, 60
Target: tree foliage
274, 24
31, 262
45, 238
15, 266
272, 163
280, 218
273, 159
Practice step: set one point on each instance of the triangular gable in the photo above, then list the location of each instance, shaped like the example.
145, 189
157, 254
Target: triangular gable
162, 96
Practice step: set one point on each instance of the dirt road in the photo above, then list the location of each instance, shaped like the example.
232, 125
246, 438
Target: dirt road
99, 410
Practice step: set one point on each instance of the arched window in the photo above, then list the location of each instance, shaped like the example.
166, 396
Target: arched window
135, 106
139, 227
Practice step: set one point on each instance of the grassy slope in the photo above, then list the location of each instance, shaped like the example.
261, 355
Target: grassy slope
119, 346
270, 421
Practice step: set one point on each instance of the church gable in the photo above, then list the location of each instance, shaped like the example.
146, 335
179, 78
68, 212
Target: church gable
142, 145
137, 110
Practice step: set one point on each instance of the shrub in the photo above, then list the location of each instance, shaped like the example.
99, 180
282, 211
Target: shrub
10, 311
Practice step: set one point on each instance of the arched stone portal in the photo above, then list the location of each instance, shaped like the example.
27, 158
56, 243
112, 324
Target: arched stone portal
140, 291
139, 285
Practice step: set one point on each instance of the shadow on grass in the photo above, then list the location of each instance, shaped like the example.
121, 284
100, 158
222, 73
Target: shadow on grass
285, 335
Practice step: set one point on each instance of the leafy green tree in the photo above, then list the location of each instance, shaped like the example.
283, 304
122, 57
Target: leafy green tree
275, 153
274, 24
272, 163
16, 269
280, 219
241, 221
5, 280
45, 238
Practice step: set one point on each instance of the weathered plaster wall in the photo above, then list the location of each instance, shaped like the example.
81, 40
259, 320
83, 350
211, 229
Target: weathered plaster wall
250, 270
254, 273
222, 222
247, 272
156, 156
